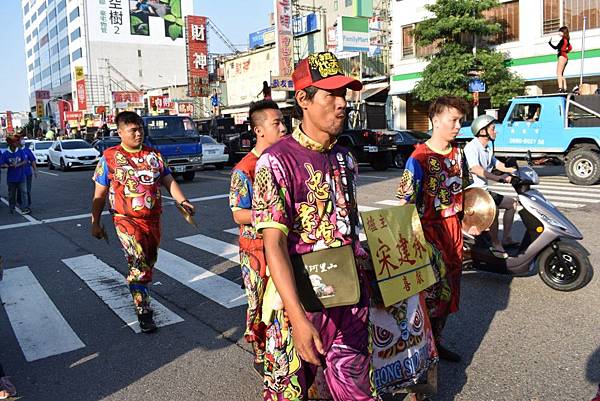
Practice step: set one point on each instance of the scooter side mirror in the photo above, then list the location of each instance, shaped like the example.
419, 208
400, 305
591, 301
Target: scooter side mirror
529, 159
511, 162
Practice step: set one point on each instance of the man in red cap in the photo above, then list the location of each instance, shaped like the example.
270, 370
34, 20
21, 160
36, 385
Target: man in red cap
303, 202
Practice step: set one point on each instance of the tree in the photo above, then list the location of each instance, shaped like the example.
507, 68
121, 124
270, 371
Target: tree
457, 28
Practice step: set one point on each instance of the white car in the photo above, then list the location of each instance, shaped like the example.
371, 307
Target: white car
72, 153
40, 150
213, 152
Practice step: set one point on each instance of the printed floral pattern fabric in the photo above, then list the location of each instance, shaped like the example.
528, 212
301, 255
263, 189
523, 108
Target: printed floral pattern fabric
134, 179
140, 239
295, 191
433, 182
252, 257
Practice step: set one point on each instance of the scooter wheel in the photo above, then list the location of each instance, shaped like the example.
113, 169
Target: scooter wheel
573, 273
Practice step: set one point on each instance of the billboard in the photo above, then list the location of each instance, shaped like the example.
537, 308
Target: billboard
197, 56
80, 88
128, 100
138, 21
161, 102
284, 37
353, 34
185, 109
9, 122
302, 25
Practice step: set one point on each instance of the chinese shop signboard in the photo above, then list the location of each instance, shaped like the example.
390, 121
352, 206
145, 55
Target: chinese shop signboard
197, 56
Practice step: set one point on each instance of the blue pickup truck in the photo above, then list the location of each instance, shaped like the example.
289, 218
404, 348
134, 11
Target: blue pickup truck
177, 140
559, 126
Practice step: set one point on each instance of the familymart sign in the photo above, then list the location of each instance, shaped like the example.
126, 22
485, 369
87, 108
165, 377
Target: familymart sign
353, 34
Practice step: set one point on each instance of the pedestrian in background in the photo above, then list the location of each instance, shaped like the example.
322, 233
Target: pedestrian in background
14, 160
133, 173
7, 389
30, 169
266, 122
432, 180
265, 91
563, 47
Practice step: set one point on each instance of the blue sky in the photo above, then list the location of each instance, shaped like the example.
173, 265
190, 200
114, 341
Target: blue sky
234, 17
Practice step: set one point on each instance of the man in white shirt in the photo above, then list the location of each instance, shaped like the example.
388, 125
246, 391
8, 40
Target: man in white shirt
481, 162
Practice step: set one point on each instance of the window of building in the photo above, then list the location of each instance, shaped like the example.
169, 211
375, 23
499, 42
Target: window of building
65, 62
34, 32
37, 63
75, 34
62, 24
74, 14
28, 39
572, 14
61, 6
27, 25
76, 55
336, 5
348, 3
26, 9
36, 47
51, 14
29, 52
507, 15
65, 78
33, 18
55, 66
42, 8
64, 43
46, 73
139, 53
30, 67
52, 32
140, 73
54, 50
408, 42
43, 40
43, 23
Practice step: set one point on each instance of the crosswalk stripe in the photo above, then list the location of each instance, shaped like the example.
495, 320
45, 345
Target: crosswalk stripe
552, 192
389, 202
544, 187
234, 230
40, 328
204, 282
214, 246
110, 286
364, 208
569, 199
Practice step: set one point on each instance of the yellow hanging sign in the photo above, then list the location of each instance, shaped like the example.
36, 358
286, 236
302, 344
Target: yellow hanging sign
401, 256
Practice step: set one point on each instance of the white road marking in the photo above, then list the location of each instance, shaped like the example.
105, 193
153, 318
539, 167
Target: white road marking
389, 202
214, 246
111, 288
40, 328
33, 221
363, 208
45, 172
206, 283
26, 216
545, 191
553, 198
546, 187
234, 231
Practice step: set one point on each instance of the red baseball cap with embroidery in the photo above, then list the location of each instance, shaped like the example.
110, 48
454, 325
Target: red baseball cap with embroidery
323, 71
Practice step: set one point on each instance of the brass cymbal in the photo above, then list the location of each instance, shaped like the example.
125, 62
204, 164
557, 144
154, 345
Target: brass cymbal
479, 209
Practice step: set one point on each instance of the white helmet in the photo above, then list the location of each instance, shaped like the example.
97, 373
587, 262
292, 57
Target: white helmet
480, 123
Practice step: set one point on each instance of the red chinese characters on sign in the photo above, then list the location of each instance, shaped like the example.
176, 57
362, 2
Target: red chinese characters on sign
160, 103
9, 124
81, 95
42, 95
185, 109
284, 37
197, 56
73, 115
127, 97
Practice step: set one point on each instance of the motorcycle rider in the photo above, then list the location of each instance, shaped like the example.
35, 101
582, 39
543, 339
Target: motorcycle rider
481, 161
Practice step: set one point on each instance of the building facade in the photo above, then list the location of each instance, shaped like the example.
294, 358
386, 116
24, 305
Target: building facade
117, 43
528, 25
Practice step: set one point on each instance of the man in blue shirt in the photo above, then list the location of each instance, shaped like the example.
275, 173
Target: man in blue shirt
30, 169
14, 160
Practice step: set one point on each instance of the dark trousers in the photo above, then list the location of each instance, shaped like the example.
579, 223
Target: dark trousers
13, 189
29, 179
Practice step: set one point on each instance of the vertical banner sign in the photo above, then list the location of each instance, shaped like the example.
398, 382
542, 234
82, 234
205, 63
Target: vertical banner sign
401, 256
9, 124
197, 56
80, 88
284, 37
40, 97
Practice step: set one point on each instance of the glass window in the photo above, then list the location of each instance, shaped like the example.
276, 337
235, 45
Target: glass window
575, 10
43, 40
75, 34
62, 24
42, 8
408, 43
36, 47
29, 52
33, 18
76, 144
43, 24
54, 50
64, 43
65, 78
36, 62
76, 55
51, 14
35, 32
64, 62
52, 33
55, 66
46, 72
30, 67
27, 25
507, 15
61, 6
348, 3
74, 14
206, 140
28, 39
26, 9
526, 112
